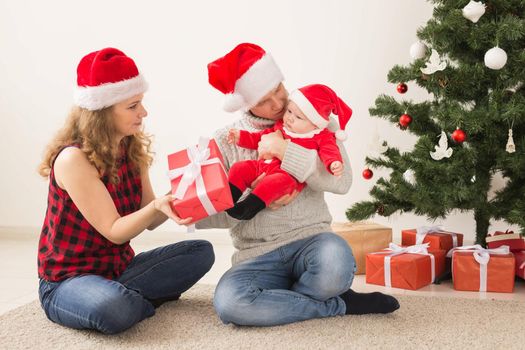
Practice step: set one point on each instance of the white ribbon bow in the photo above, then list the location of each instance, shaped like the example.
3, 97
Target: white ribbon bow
422, 231
482, 256
199, 156
395, 249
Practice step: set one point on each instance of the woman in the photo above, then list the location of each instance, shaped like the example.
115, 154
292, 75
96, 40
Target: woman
100, 197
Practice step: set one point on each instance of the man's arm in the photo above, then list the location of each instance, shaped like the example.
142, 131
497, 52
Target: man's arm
306, 166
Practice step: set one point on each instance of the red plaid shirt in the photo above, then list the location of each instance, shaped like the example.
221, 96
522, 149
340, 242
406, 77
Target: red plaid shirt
69, 246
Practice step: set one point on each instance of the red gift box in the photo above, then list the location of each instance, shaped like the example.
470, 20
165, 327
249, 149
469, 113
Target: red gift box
404, 267
486, 270
437, 238
520, 263
209, 192
499, 238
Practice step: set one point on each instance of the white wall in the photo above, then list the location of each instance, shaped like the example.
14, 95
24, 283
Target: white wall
349, 45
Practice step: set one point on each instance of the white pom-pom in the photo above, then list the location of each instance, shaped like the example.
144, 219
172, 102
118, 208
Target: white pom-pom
340, 135
233, 102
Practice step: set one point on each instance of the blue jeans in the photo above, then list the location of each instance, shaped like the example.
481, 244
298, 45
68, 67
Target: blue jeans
111, 306
299, 281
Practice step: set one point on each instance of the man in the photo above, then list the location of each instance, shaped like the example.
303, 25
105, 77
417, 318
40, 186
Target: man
288, 266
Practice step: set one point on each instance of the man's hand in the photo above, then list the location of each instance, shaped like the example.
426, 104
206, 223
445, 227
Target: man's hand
280, 202
272, 145
337, 168
284, 200
233, 136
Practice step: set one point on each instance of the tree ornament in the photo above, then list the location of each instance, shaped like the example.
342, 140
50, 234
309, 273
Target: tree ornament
380, 209
473, 11
367, 174
410, 176
495, 58
405, 120
459, 136
434, 64
418, 50
442, 150
511, 147
402, 88
376, 145
473, 178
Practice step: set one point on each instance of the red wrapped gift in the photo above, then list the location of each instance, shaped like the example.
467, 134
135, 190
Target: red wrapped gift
434, 235
499, 238
520, 263
199, 181
405, 267
486, 270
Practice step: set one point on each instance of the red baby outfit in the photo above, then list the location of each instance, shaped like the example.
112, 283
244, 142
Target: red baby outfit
277, 183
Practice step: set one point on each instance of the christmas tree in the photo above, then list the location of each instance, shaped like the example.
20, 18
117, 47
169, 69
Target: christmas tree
470, 57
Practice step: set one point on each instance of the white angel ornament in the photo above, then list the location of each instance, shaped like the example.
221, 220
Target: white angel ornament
473, 11
442, 150
376, 145
434, 64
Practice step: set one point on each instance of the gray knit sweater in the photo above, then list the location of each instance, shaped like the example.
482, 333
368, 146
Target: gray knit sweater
305, 216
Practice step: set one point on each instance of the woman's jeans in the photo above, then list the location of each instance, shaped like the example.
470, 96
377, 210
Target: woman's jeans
299, 281
111, 306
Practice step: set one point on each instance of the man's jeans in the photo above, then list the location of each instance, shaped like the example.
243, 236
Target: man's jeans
299, 281
111, 306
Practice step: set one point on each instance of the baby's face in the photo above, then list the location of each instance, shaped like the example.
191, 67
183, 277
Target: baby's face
295, 120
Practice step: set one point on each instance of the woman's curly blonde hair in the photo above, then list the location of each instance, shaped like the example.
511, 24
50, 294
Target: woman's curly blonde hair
93, 132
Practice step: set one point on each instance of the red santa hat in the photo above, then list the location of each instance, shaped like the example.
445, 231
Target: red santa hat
245, 75
318, 102
106, 77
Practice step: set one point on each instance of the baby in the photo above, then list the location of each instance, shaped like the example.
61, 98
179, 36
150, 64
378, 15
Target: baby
304, 123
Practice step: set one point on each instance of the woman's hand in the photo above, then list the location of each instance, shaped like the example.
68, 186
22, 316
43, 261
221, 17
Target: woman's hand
162, 204
272, 145
233, 136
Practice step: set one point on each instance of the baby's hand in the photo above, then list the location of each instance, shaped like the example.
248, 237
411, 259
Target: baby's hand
233, 136
337, 168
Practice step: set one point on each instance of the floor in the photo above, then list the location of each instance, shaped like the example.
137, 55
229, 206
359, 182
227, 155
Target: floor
19, 283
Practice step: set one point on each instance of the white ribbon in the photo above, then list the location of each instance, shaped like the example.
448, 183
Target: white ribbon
482, 256
199, 156
422, 231
398, 250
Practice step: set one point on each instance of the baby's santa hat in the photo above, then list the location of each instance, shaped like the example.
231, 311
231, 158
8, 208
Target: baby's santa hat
318, 102
245, 75
106, 77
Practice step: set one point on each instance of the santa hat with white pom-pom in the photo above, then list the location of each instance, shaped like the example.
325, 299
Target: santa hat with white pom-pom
245, 75
318, 102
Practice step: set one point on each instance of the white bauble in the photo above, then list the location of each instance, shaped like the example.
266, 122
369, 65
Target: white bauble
495, 58
474, 10
418, 50
410, 176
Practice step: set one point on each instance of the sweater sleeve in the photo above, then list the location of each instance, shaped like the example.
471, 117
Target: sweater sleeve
306, 166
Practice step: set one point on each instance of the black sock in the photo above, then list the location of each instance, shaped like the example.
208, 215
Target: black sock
368, 303
236, 192
247, 208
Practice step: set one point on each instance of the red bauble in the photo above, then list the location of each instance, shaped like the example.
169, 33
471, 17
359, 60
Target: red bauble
367, 174
405, 120
459, 136
402, 88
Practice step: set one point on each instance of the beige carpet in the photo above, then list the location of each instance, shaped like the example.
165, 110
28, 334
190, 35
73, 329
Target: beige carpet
190, 323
